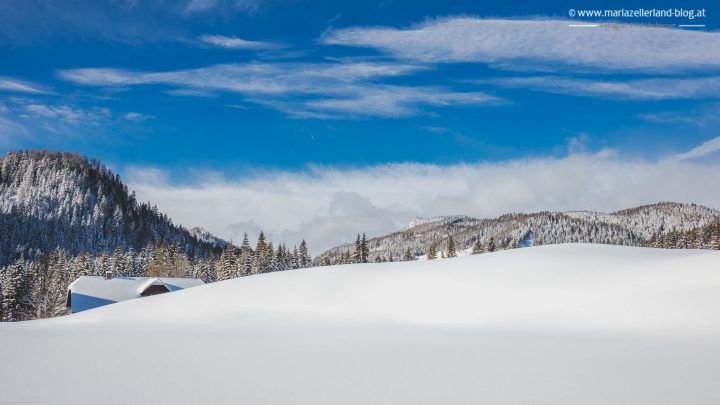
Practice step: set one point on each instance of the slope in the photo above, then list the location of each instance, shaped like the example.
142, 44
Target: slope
560, 324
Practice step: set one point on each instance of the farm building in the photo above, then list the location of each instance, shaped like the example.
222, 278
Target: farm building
88, 292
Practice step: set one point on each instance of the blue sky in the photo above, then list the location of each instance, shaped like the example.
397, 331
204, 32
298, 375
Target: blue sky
178, 91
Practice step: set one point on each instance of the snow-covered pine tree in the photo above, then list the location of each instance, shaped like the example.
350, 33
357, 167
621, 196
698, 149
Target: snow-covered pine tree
270, 257
260, 264
305, 260
295, 259
357, 253
364, 250
228, 263
715, 238
652, 242
451, 247
431, 252
246, 256
478, 247
408, 256
491, 245
15, 298
117, 262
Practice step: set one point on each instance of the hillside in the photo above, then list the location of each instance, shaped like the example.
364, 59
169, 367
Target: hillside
63, 216
53, 200
562, 324
630, 227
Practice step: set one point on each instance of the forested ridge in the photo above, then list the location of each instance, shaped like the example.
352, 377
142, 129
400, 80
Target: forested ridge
63, 215
665, 224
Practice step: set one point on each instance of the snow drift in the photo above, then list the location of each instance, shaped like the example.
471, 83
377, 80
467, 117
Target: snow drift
561, 324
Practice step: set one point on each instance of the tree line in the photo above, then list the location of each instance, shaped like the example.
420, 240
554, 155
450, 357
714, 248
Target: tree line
37, 288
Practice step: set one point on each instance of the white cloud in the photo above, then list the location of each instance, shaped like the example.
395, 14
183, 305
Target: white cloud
65, 113
19, 86
196, 6
257, 78
703, 116
221, 41
640, 89
193, 7
708, 147
396, 101
137, 117
548, 43
336, 89
328, 206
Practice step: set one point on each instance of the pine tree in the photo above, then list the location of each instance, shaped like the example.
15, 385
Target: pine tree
491, 245
295, 259
357, 254
270, 258
14, 293
652, 241
246, 257
118, 265
259, 262
408, 256
305, 260
451, 247
715, 238
227, 265
364, 250
478, 247
432, 252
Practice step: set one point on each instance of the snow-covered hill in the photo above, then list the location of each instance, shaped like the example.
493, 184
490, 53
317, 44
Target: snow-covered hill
53, 200
630, 227
558, 324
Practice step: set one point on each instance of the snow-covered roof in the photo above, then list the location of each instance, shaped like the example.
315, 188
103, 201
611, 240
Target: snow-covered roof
125, 288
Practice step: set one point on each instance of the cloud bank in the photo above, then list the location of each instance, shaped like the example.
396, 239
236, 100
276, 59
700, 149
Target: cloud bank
329, 206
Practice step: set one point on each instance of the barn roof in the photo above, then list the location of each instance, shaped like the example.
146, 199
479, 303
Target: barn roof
124, 288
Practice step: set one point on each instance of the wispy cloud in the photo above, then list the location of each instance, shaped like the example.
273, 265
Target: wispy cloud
706, 148
19, 86
197, 6
548, 43
321, 90
329, 205
137, 117
641, 89
44, 122
232, 6
65, 113
703, 116
221, 41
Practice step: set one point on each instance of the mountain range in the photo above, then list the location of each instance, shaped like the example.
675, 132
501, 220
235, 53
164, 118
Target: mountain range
631, 227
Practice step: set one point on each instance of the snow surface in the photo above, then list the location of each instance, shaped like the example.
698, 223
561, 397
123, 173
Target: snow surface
561, 324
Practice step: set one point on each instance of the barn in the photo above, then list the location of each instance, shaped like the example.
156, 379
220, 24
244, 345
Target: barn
88, 292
